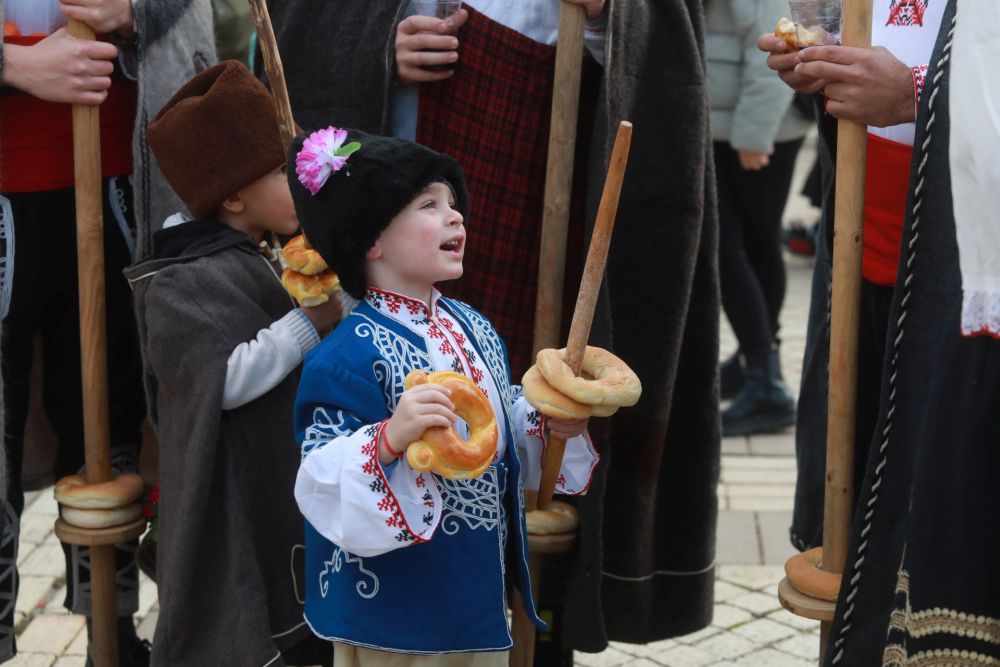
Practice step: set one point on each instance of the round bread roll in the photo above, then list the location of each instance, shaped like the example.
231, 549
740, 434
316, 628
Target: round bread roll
310, 290
104, 518
605, 379
302, 259
559, 518
440, 448
806, 576
550, 402
73, 491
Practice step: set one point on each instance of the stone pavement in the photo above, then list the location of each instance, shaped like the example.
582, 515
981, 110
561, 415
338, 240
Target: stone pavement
756, 488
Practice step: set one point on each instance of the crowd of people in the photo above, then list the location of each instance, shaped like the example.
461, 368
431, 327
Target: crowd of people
293, 525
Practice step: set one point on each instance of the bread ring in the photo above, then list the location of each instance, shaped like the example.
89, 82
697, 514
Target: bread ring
551, 403
560, 517
804, 573
104, 518
302, 259
440, 448
613, 382
310, 290
73, 491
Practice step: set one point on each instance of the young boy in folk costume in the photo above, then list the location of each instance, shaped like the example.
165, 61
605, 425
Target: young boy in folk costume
399, 560
223, 343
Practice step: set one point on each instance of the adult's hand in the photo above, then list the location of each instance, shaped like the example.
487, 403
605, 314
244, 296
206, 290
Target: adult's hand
783, 60
103, 16
422, 41
592, 8
754, 161
869, 86
61, 68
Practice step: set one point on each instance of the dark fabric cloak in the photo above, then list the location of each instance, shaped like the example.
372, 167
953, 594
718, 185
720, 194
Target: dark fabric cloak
921, 581
230, 534
644, 568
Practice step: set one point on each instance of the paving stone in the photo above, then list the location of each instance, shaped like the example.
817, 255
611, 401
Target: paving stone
772, 658
147, 595
609, 657
762, 475
764, 631
696, 637
71, 661
50, 633
773, 444
756, 603
760, 490
726, 616
735, 445
45, 560
79, 644
641, 662
33, 590
773, 527
148, 625
752, 576
724, 590
803, 645
646, 650
779, 463
685, 656
736, 538
35, 528
760, 504
26, 659
727, 645
45, 504
791, 620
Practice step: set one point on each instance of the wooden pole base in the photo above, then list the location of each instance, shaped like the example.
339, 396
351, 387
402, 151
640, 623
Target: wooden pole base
93, 537
802, 605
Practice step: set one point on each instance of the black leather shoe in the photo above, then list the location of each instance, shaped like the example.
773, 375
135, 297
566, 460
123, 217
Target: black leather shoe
732, 376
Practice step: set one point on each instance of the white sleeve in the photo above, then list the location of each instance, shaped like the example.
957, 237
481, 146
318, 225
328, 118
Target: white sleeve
594, 37
257, 366
579, 459
353, 500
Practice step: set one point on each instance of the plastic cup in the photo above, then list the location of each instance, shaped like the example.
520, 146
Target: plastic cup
442, 9
817, 21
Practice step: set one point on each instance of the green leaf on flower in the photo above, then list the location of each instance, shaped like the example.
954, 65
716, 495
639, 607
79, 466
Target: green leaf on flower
348, 149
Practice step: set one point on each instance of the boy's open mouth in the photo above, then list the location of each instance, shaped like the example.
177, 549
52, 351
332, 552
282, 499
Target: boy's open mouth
451, 246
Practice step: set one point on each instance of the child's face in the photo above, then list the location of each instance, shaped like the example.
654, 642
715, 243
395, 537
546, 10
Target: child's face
423, 244
268, 205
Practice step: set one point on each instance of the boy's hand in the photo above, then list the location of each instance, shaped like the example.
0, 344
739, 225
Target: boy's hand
426, 40
103, 16
591, 8
326, 315
566, 428
420, 408
61, 68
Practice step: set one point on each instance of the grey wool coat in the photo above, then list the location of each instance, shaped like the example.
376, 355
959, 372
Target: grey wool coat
644, 568
230, 532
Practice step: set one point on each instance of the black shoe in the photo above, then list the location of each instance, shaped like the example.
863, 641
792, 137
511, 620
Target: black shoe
764, 405
732, 376
801, 240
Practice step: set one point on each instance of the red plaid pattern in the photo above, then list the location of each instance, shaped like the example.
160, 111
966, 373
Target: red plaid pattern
493, 117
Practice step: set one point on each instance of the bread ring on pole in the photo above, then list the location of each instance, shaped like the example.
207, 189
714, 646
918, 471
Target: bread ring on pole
605, 379
105, 518
559, 518
302, 259
804, 573
310, 290
545, 398
73, 491
440, 448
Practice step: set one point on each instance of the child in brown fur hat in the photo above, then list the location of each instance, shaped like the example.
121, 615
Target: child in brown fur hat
223, 344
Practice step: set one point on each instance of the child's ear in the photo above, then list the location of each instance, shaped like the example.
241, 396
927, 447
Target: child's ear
234, 203
374, 252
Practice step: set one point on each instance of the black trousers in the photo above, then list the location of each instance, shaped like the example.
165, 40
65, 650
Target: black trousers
38, 297
751, 265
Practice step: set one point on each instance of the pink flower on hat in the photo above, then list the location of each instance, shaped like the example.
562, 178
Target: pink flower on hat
323, 153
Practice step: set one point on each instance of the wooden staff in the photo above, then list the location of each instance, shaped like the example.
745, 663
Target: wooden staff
274, 69
559, 175
838, 508
590, 288
93, 354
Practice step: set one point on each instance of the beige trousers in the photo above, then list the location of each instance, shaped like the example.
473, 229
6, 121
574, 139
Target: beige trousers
345, 655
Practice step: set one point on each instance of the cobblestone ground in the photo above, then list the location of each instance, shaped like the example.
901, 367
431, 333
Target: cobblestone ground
749, 627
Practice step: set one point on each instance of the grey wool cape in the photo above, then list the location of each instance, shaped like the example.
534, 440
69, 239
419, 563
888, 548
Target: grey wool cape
229, 529
644, 567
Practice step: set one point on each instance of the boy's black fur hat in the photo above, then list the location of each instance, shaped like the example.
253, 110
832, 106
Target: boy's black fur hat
348, 213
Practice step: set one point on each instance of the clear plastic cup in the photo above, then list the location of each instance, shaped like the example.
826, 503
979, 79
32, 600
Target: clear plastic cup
817, 22
441, 9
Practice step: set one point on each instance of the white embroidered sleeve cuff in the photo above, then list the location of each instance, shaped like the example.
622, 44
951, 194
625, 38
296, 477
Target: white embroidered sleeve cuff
579, 459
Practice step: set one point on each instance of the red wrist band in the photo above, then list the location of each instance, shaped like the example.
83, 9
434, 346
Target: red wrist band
388, 447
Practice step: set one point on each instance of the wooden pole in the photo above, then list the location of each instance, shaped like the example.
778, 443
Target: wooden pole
590, 288
93, 354
838, 508
559, 175
274, 69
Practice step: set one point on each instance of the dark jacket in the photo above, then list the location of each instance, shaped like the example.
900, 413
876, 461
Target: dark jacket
229, 530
